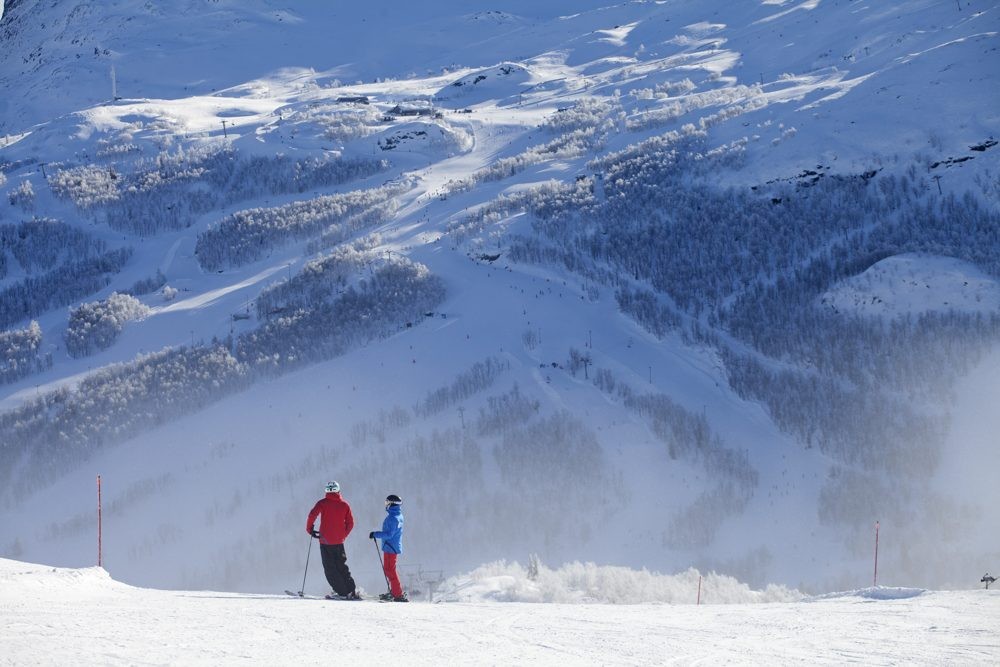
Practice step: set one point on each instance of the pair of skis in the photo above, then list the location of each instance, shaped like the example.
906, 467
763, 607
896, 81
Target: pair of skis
302, 595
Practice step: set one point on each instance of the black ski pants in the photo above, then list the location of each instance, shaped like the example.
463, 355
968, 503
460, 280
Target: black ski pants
335, 568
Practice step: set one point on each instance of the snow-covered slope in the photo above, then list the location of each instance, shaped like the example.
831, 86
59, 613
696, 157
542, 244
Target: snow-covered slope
264, 161
905, 284
55, 616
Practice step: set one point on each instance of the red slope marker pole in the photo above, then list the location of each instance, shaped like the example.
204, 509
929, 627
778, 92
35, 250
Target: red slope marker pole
99, 545
875, 577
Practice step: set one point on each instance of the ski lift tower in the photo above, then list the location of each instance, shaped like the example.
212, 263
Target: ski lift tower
987, 579
433, 579
417, 577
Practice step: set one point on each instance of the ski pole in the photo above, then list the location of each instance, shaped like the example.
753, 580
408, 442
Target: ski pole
308, 551
388, 588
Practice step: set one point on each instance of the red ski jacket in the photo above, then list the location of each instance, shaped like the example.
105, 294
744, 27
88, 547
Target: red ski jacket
336, 520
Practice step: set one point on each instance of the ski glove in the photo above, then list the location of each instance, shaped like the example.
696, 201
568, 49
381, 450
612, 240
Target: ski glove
314, 533
371, 535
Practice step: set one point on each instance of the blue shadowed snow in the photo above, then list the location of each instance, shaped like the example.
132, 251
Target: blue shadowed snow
874, 593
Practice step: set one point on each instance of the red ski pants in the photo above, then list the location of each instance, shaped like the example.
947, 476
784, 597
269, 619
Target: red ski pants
389, 566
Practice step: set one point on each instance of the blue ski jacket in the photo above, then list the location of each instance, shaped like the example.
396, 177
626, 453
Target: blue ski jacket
392, 530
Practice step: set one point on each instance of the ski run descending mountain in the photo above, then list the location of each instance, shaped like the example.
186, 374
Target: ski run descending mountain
85, 616
662, 285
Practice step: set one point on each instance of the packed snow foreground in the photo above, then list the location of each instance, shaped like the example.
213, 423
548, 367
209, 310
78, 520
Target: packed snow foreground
82, 616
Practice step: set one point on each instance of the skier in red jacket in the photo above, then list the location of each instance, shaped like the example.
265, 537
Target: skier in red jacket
336, 522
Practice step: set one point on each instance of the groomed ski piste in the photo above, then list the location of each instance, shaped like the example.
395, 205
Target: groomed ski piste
83, 616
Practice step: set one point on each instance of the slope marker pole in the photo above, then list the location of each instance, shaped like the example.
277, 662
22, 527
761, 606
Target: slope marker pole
875, 577
100, 559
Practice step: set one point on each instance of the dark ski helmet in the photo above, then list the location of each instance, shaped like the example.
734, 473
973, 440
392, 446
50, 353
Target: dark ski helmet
393, 499
332, 487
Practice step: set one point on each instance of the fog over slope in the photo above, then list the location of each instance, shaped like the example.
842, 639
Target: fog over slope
656, 284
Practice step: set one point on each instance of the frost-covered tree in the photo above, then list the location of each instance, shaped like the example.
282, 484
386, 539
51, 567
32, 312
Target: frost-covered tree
21, 353
481, 376
398, 293
61, 286
148, 285
23, 196
248, 235
587, 114
527, 457
319, 282
167, 192
62, 427
505, 412
96, 325
43, 243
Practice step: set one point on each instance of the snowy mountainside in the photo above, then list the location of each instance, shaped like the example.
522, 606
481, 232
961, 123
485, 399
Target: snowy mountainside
558, 275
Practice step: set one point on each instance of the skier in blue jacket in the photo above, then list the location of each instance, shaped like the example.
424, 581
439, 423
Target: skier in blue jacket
392, 545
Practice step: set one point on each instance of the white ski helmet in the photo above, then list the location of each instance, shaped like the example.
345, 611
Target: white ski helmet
332, 487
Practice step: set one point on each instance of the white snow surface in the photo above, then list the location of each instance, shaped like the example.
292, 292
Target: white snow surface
53, 616
911, 284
